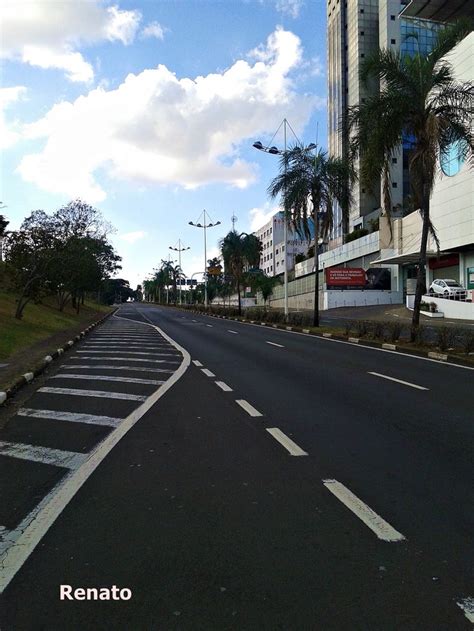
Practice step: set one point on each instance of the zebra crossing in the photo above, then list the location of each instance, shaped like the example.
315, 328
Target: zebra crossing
98, 387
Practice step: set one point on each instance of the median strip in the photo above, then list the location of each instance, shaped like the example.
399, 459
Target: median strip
379, 526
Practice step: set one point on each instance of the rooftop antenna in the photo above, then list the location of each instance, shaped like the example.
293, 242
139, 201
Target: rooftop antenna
234, 220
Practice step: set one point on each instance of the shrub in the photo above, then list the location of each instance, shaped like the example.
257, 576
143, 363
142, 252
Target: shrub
446, 337
378, 329
393, 331
421, 334
348, 326
467, 341
362, 327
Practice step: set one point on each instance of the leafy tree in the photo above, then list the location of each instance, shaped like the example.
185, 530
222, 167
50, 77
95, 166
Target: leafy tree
265, 285
310, 182
240, 251
116, 290
419, 99
3, 226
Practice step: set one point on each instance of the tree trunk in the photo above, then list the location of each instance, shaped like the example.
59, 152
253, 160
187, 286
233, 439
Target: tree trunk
316, 266
238, 298
421, 274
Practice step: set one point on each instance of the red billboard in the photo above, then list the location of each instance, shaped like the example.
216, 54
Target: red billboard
345, 276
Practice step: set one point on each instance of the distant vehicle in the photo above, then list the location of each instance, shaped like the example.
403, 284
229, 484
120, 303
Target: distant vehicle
448, 288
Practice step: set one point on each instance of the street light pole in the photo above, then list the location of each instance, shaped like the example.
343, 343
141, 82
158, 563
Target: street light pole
179, 249
205, 225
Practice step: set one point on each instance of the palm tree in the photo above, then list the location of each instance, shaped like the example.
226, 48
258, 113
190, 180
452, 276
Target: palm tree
240, 251
310, 182
419, 99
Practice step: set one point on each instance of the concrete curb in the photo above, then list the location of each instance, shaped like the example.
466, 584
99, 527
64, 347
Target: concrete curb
28, 377
435, 356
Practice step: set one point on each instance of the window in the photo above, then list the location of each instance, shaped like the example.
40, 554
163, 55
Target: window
453, 159
362, 55
392, 17
394, 185
362, 33
393, 41
394, 160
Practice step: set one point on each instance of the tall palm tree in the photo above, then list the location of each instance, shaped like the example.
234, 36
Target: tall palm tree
240, 251
310, 182
419, 98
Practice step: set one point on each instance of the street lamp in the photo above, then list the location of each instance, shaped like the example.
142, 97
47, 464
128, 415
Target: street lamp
179, 249
279, 152
206, 223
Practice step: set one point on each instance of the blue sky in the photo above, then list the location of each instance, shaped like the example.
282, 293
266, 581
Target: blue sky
148, 111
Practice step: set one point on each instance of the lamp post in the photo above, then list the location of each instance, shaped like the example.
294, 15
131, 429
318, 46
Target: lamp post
206, 223
179, 249
279, 152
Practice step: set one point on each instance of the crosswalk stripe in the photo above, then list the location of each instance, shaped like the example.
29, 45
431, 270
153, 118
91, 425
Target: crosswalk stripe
153, 382
128, 359
105, 367
101, 394
128, 353
72, 417
46, 455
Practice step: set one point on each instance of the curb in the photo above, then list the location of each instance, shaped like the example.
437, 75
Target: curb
442, 358
28, 377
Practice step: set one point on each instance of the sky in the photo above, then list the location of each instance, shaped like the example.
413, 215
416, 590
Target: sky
148, 111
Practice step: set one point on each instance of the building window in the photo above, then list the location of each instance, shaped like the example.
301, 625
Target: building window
394, 185
392, 17
362, 55
394, 161
362, 33
393, 41
362, 10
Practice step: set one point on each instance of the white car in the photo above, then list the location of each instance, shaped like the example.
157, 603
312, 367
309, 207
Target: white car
448, 288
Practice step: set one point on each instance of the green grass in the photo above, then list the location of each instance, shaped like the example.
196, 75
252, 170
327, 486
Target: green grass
39, 322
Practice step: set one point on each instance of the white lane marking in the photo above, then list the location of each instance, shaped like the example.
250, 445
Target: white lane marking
223, 386
101, 394
153, 382
193, 320
275, 344
405, 383
467, 605
248, 408
105, 367
197, 363
117, 344
46, 455
73, 417
287, 443
24, 539
234, 332
127, 353
207, 372
210, 326
127, 359
379, 526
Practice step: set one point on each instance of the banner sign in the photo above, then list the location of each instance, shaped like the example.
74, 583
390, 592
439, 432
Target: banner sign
214, 271
358, 278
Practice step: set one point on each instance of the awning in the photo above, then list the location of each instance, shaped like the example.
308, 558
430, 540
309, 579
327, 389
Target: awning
438, 10
403, 259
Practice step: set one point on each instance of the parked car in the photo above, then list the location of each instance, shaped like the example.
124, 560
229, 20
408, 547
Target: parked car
448, 288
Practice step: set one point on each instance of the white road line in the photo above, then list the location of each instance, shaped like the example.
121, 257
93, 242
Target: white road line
234, 332
153, 382
123, 347
105, 367
405, 383
467, 605
207, 372
223, 386
46, 455
248, 408
379, 526
197, 363
73, 417
129, 353
287, 443
126, 359
275, 344
193, 320
210, 326
101, 394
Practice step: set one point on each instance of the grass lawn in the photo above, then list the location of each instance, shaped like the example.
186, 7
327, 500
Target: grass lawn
39, 322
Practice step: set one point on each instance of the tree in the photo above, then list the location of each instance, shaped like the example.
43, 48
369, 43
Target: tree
240, 251
116, 290
3, 225
309, 183
419, 99
265, 285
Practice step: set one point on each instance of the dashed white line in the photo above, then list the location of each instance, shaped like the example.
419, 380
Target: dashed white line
207, 372
153, 382
73, 417
379, 526
197, 363
234, 332
101, 394
46, 455
405, 383
467, 605
275, 344
210, 326
287, 443
245, 405
223, 386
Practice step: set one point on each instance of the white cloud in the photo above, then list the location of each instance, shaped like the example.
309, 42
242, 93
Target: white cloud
154, 29
132, 237
289, 7
47, 34
260, 216
8, 133
158, 129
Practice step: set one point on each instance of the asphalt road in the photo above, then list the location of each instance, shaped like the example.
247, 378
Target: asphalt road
283, 482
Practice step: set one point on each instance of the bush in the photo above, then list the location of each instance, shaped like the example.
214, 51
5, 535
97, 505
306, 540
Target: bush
467, 341
378, 330
362, 327
348, 326
446, 337
356, 234
420, 334
393, 331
